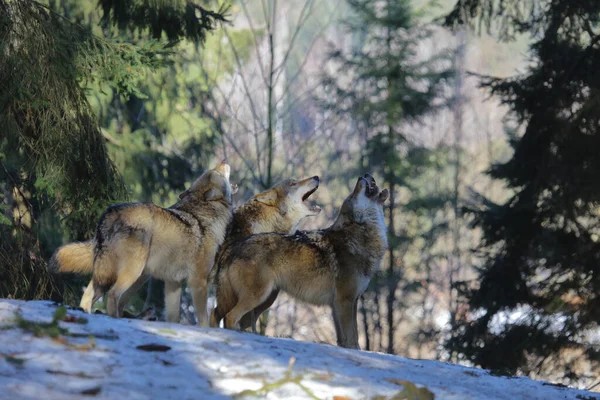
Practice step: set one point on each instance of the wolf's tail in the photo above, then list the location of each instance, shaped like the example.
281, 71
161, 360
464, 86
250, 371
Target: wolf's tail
75, 257
226, 297
213, 275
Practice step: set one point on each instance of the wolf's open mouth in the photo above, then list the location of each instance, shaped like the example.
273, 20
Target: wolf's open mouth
307, 194
313, 208
372, 189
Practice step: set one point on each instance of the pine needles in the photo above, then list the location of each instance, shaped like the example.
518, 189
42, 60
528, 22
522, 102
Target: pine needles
53, 159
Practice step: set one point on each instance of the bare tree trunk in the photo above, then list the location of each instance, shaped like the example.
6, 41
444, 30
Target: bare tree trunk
377, 331
363, 311
264, 318
270, 89
391, 279
458, 128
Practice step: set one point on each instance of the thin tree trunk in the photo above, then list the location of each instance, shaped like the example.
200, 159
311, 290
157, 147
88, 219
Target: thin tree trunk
264, 318
391, 279
458, 127
363, 311
377, 331
270, 89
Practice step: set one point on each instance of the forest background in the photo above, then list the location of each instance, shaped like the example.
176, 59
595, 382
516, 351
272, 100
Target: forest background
480, 116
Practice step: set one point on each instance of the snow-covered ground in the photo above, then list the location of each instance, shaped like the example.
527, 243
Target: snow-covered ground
103, 359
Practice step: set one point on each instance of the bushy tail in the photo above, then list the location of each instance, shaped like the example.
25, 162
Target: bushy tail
226, 299
213, 275
105, 273
75, 257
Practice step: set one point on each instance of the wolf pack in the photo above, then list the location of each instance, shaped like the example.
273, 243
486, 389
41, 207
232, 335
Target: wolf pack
249, 254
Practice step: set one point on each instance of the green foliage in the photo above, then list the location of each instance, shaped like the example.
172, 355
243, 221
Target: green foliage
161, 139
541, 246
41, 329
176, 19
4, 220
56, 176
390, 88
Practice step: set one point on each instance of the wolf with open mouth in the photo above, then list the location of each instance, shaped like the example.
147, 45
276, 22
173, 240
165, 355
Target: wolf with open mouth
279, 209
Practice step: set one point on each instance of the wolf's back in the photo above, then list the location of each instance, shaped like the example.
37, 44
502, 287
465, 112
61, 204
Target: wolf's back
75, 257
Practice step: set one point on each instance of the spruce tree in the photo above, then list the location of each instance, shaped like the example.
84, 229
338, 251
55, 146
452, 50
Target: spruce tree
54, 169
384, 87
536, 303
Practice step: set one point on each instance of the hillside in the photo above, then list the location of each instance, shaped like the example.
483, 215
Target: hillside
104, 358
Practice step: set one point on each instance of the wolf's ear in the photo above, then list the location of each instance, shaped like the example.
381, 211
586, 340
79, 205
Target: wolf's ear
213, 194
269, 198
383, 196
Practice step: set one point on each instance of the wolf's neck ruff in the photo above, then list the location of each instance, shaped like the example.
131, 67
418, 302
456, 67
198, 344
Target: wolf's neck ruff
255, 217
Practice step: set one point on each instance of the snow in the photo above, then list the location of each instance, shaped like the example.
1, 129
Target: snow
217, 364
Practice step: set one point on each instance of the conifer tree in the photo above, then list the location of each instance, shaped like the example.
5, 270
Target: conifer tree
53, 159
536, 303
384, 86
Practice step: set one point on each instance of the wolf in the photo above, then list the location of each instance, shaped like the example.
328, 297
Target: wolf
278, 209
324, 267
175, 244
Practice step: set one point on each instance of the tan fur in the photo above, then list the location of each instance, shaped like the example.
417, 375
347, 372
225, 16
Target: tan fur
73, 257
134, 241
326, 267
279, 209
257, 215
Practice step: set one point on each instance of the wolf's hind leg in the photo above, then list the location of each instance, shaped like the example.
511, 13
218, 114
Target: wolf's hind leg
215, 317
247, 301
132, 258
249, 319
129, 292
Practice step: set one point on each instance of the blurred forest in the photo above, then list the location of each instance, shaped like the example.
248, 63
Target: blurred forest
480, 116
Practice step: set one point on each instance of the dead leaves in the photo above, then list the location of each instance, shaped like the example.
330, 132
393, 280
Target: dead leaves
410, 391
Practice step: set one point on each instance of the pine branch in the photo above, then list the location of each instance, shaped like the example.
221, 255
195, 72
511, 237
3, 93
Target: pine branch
177, 19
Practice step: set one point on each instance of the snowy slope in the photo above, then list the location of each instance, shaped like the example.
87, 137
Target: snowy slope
195, 363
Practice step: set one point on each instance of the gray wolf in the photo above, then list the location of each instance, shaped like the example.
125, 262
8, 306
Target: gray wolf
278, 209
137, 240
324, 267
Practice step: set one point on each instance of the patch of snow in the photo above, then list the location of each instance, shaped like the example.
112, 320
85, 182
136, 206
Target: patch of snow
217, 364
526, 315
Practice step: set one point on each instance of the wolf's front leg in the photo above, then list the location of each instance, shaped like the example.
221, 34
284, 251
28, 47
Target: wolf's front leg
344, 317
172, 300
87, 298
198, 283
199, 287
